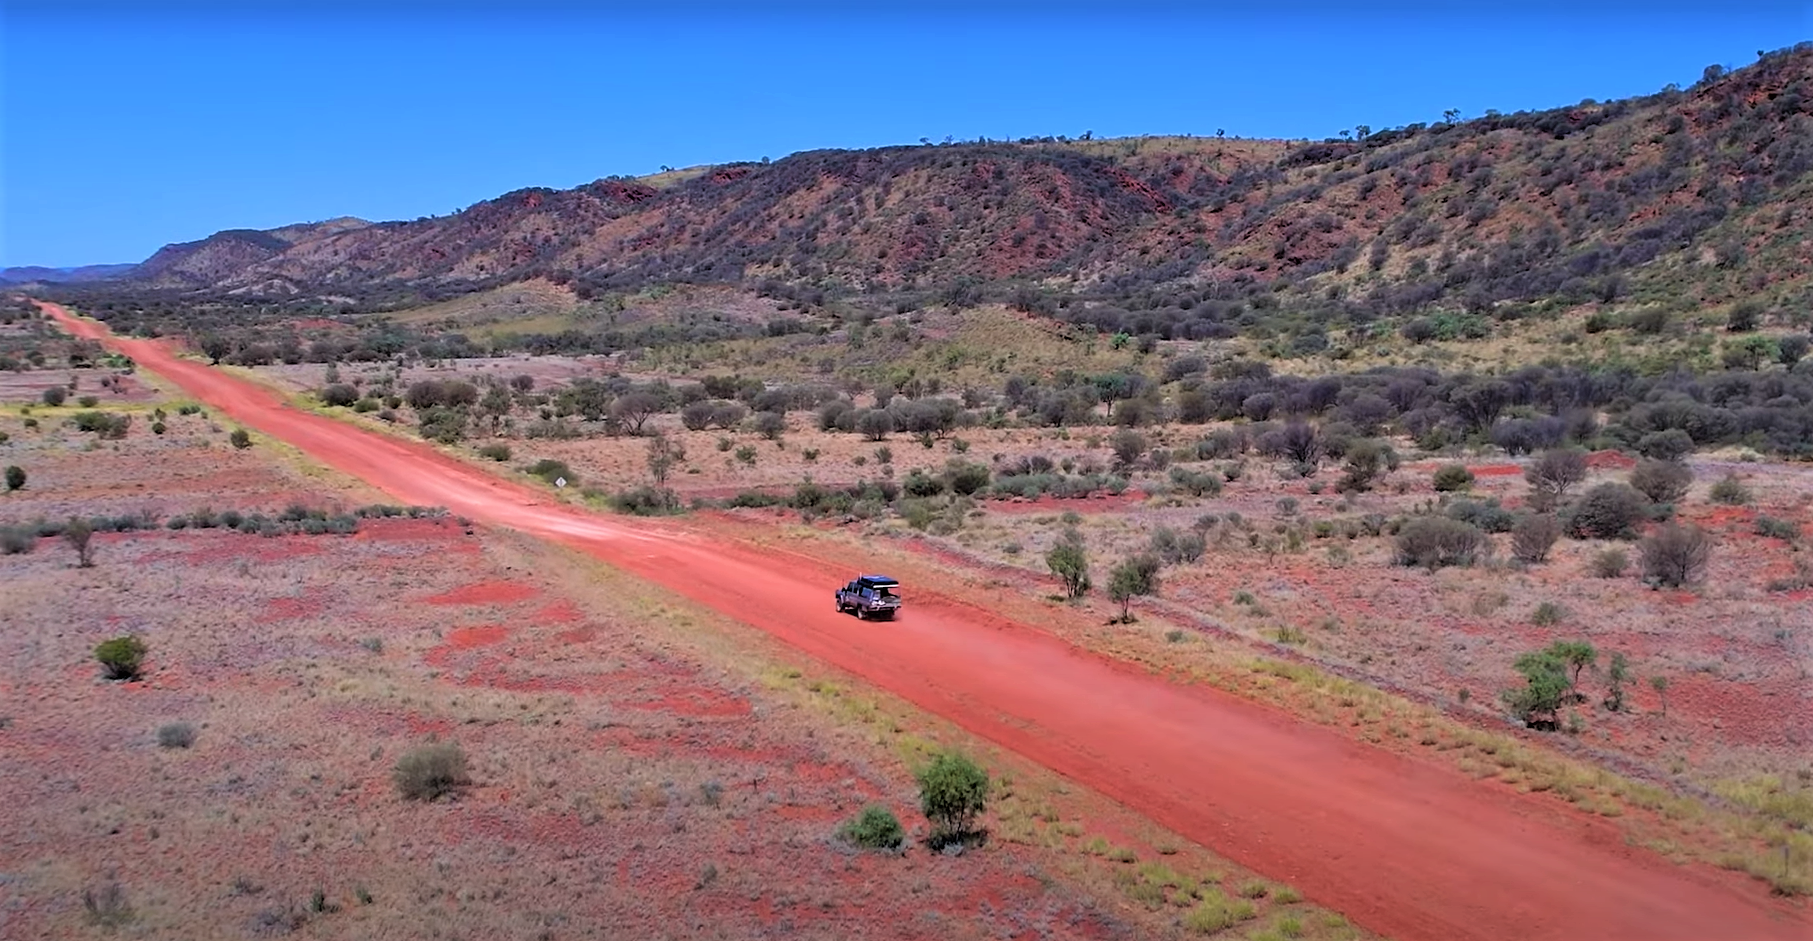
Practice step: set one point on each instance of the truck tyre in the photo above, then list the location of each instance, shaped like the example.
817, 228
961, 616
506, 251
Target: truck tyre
861, 615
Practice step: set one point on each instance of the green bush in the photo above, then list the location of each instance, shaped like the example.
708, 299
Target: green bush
551, 470
1134, 578
1730, 491
1773, 528
15, 477
339, 395
55, 395
1433, 542
966, 477
646, 501
1196, 483
1069, 561
102, 424
431, 772
121, 658
1608, 511
495, 452
1611, 563
876, 828
1452, 478
953, 793
240, 439
1533, 536
17, 540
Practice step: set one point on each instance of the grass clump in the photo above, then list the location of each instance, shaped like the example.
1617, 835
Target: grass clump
175, 735
1216, 912
431, 772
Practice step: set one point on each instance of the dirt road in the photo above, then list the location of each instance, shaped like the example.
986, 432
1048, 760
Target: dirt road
1409, 849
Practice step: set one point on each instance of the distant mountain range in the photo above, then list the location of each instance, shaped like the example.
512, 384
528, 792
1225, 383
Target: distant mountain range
1701, 195
30, 273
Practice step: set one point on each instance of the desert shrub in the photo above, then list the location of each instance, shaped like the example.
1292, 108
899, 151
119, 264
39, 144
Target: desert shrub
1611, 563
1670, 445
1195, 483
175, 735
1488, 515
1675, 555
1730, 491
1661, 481
431, 772
366, 406
1608, 511
495, 452
551, 470
17, 540
966, 477
121, 658
876, 828
339, 395
240, 439
646, 501
88, 401
1433, 542
1533, 536
55, 395
770, 425
1554, 473
15, 477
1547, 614
918, 483
953, 793
1452, 478
102, 424
1069, 561
1771, 527
697, 416
107, 907
874, 424
79, 534
1174, 548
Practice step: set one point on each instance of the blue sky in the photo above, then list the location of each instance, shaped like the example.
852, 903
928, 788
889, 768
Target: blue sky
127, 126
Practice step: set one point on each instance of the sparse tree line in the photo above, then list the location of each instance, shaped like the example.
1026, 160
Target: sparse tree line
296, 519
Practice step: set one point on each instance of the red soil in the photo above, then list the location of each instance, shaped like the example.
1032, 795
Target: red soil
485, 593
1404, 847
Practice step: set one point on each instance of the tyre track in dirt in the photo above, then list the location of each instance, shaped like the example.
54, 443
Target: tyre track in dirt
1407, 848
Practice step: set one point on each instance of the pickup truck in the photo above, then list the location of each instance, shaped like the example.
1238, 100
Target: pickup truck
870, 596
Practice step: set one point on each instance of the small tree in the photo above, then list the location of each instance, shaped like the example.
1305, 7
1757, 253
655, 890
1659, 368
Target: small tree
1675, 555
1553, 474
664, 454
1533, 536
1616, 675
1538, 702
1070, 563
1578, 655
953, 792
240, 439
431, 772
1128, 445
1134, 578
55, 395
875, 424
79, 533
121, 658
1660, 685
1365, 459
15, 478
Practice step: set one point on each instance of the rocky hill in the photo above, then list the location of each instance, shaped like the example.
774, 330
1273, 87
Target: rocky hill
1695, 196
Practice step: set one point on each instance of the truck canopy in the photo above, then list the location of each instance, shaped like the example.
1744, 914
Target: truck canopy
877, 581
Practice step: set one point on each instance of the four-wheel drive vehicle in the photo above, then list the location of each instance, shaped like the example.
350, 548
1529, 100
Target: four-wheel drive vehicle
870, 596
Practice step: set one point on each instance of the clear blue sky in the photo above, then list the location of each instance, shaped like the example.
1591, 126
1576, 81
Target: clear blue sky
127, 126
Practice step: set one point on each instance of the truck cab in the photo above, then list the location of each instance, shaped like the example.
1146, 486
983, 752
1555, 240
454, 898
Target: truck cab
870, 596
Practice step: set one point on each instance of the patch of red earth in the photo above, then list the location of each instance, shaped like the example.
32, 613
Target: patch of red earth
560, 612
578, 635
1722, 516
485, 593
465, 638
1610, 460
698, 703
222, 547
1754, 712
810, 814
287, 609
1497, 470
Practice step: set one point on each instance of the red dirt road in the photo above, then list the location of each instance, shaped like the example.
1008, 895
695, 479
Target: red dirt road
1408, 849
